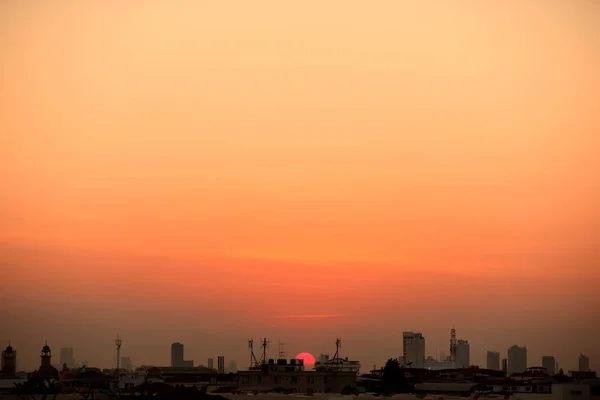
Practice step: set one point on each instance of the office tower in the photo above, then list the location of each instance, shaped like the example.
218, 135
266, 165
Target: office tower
177, 355
126, 363
549, 363
584, 363
221, 364
493, 360
413, 346
517, 359
211, 363
463, 354
232, 367
67, 357
505, 366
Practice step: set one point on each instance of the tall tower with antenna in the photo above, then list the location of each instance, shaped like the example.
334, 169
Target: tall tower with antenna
118, 344
453, 345
281, 353
336, 357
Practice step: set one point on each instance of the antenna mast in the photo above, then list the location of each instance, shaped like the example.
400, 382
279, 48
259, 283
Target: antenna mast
118, 344
336, 357
265, 345
253, 360
280, 350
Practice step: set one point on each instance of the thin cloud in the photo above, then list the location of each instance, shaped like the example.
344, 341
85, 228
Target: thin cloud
307, 316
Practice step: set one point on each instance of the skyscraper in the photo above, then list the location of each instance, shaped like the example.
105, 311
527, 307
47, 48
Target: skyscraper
177, 355
211, 363
126, 363
549, 362
67, 357
221, 364
517, 359
413, 346
463, 354
232, 367
493, 360
584, 363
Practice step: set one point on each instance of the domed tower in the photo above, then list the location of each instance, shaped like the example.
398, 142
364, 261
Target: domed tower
9, 362
46, 357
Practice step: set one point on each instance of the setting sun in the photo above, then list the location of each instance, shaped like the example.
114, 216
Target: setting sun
307, 358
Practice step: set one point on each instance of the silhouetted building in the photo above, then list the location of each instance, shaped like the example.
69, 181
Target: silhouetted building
211, 363
177, 355
9, 362
67, 357
232, 367
463, 354
46, 369
549, 363
413, 348
493, 360
584, 363
221, 364
517, 359
505, 366
126, 363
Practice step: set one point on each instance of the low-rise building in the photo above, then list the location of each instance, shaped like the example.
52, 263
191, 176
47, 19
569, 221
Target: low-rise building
291, 376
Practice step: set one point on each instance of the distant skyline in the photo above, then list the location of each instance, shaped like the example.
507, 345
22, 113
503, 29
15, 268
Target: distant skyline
207, 172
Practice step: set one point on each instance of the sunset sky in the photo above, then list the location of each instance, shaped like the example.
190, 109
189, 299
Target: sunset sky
211, 171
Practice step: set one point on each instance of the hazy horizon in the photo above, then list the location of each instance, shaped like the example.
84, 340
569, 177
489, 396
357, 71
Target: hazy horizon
207, 172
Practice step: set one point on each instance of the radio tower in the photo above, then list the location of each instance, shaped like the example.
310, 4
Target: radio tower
281, 354
118, 344
336, 357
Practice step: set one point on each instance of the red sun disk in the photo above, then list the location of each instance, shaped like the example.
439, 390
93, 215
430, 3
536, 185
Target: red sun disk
307, 358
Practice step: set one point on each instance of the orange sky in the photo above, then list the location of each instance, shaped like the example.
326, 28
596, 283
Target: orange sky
228, 165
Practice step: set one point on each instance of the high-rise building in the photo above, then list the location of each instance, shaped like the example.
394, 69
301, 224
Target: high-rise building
584, 363
211, 363
126, 363
232, 367
221, 364
517, 359
67, 357
413, 346
505, 366
549, 362
493, 360
463, 354
177, 355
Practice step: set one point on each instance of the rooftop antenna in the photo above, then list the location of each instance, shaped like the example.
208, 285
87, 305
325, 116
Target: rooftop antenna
118, 344
253, 360
265, 345
336, 357
280, 350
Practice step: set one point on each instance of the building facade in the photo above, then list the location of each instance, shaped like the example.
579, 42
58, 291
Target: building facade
413, 346
221, 364
549, 363
463, 354
493, 360
517, 359
211, 363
